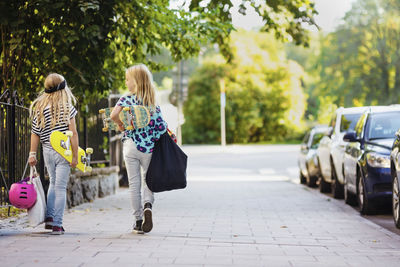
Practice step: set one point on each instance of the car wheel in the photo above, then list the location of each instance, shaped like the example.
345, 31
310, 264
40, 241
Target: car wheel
395, 201
311, 180
365, 206
303, 179
324, 187
337, 188
349, 198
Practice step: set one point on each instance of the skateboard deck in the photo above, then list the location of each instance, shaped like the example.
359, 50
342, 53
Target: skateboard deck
61, 143
133, 117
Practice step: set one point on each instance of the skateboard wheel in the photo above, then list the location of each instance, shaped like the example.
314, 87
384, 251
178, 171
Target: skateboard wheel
69, 133
68, 153
88, 169
89, 150
129, 128
126, 108
105, 129
102, 111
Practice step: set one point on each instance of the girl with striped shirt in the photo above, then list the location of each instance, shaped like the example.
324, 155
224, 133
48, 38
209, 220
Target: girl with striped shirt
53, 110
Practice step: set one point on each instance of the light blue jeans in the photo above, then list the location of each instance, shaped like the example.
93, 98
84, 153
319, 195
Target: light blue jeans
59, 171
134, 159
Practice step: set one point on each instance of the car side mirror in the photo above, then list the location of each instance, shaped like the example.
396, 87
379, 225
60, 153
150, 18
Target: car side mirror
350, 136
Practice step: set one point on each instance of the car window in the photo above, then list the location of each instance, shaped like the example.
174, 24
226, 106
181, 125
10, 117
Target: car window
306, 137
383, 125
349, 122
333, 122
360, 125
315, 142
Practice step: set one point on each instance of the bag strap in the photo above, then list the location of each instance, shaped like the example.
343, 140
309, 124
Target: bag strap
33, 173
23, 174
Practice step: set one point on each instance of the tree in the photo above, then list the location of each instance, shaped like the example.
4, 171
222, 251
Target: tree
69, 37
284, 18
265, 100
91, 42
359, 63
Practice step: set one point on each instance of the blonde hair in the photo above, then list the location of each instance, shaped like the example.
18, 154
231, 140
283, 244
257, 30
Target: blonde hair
143, 79
57, 101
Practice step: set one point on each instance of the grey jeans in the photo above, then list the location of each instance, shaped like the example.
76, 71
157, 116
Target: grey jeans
134, 159
59, 170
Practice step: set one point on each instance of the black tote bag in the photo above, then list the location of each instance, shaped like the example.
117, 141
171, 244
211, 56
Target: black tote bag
167, 169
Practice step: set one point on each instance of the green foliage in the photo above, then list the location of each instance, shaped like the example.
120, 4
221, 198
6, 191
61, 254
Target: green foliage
359, 63
145, 29
69, 37
92, 42
282, 17
265, 101
202, 108
7, 212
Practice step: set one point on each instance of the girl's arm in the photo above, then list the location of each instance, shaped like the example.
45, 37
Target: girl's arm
34, 145
74, 142
115, 117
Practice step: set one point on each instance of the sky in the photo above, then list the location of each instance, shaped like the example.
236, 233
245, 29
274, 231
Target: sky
330, 13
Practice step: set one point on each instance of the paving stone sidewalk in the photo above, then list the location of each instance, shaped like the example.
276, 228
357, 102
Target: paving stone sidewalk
214, 222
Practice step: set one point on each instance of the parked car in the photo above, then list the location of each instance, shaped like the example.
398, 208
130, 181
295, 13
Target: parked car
331, 150
367, 158
307, 160
395, 172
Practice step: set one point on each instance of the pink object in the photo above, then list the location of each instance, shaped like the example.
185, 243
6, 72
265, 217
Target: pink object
22, 194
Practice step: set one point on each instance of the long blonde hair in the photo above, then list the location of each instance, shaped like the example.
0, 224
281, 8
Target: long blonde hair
57, 101
145, 91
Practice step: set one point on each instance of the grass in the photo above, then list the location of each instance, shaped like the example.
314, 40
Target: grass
285, 142
13, 212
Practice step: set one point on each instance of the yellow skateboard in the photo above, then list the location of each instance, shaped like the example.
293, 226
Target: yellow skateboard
133, 117
62, 144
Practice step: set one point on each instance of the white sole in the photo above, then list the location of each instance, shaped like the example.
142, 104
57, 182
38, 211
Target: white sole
57, 233
137, 232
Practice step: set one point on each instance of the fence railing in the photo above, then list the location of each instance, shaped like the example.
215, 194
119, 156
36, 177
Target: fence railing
14, 142
107, 145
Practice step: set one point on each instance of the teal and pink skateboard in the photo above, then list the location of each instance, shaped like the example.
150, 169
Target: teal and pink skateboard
133, 117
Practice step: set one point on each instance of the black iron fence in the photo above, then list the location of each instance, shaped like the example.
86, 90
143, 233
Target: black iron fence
89, 126
107, 145
14, 141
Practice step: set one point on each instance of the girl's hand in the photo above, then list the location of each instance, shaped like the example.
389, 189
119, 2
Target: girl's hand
32, 161
121, 127
74, 162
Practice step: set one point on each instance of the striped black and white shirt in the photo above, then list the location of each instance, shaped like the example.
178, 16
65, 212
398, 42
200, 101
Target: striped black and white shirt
44, 133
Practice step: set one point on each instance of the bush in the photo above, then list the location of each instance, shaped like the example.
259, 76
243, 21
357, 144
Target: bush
265, 100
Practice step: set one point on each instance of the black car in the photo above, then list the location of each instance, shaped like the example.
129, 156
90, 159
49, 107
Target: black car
308, 161
395, 171
367, 158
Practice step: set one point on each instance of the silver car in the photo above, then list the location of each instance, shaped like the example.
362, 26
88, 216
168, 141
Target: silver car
307, 160
331, 150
